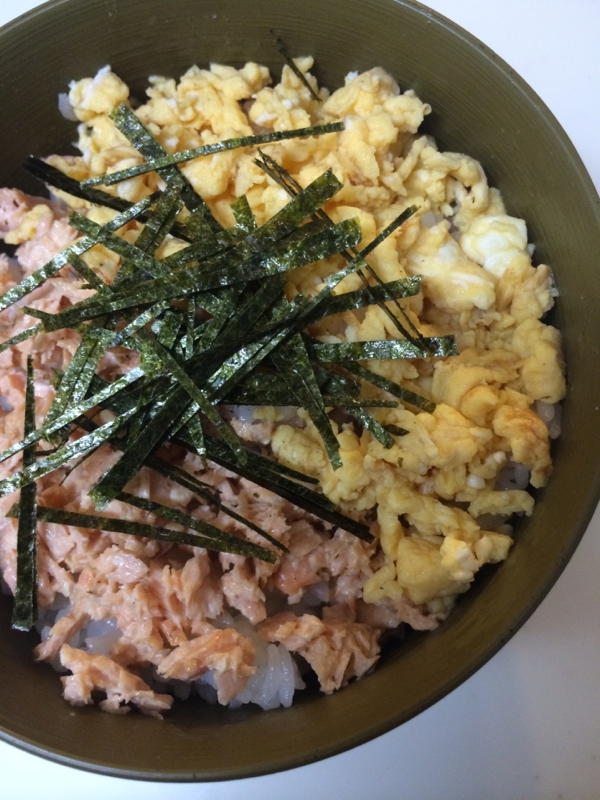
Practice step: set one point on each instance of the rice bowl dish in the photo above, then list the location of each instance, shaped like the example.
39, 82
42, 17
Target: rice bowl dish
141, 621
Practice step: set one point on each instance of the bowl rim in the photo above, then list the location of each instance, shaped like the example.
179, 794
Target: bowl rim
368, 733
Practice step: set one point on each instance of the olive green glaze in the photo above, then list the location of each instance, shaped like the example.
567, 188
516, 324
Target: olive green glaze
480, 107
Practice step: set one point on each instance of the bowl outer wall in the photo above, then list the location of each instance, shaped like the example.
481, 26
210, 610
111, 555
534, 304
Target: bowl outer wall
480, 107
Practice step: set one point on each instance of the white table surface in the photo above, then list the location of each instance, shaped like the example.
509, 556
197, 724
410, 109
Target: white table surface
527, 725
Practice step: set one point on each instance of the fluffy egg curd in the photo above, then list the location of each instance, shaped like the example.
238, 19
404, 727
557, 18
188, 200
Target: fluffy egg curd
440, 501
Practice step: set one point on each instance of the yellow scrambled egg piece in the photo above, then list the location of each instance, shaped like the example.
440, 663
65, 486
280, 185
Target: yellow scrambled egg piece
478, 283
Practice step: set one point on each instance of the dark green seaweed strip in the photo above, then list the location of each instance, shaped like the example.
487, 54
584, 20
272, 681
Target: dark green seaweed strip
167, 328
283, 49
43, 466
349, 301
158, 226
285, 222
282, 396
70, 378
188, 338
333, 382
293, 363
387, 385
124, 402
241, 363
21, 337
384, 348
249, 312
180, 157
136, 325
208, 493
59, 180
87, 274
77, 378
395, 430
114, 480
372, 425
260, 467
199, 396
168, 535
242, 213
201, 233
234, 369
285, 180
61, 260
55, 177
25, 605
281, 259
160, 222
299, 495
134, 131
172, 407
73, 412
289, 255
101, 235
192, 522
193, 426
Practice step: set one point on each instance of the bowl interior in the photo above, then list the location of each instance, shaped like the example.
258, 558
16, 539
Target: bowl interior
480, 107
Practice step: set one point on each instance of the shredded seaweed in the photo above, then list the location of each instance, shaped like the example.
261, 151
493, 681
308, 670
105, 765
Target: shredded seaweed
189, 521
59, 261
217, 542
43, 466
212, 325
284, 50
25, 605
375, 428
20, 337
182, 156
384, 348
387, 385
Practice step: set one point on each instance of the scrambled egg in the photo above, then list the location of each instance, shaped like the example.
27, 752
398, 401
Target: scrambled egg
478, 283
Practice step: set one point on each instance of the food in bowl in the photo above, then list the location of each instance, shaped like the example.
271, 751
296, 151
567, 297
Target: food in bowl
392, 413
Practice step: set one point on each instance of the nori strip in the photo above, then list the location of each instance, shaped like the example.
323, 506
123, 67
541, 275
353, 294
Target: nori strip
61, 260
70, 379
293, 363
375, 428
101, 235
299, 495
349, 301
387, 385
168, 535
134, 131
188, 338
59, 180
189, 521
203, 490
87, 274
199, 396
25, 606
285, 180
242, 213
57, 459
384, 348
283, 49
167, 328
55, 177
193, 426
395, 430
281, 259
21, 337
73, 412
156, 164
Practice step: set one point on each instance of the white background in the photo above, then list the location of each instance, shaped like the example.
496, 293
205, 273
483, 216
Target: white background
527, 725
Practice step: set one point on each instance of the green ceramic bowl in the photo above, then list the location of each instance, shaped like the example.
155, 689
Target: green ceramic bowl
480, 107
